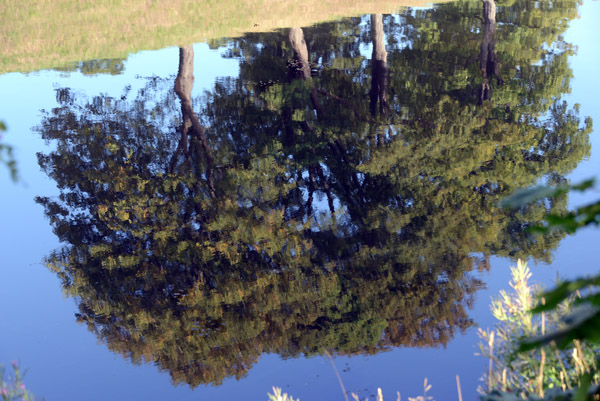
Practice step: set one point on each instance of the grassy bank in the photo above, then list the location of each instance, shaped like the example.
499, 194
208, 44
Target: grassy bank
41, 34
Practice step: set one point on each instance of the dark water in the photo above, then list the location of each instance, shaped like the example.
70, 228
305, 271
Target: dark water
227, 218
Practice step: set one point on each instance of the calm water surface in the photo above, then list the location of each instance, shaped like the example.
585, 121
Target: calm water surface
206, 222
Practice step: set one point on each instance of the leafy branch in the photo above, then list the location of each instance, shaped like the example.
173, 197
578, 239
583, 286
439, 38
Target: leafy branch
582, 323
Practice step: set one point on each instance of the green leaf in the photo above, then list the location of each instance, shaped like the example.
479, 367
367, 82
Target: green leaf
582, 391
584, 185
522, 197
563, 291
582, 323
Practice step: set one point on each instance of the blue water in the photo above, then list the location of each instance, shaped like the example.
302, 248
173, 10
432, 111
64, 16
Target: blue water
37, 325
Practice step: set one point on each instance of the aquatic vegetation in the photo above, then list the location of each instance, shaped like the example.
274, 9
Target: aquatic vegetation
533, 372
12, 387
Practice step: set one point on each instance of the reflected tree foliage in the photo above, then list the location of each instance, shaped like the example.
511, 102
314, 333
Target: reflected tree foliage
95, 67
7, 156
321, 200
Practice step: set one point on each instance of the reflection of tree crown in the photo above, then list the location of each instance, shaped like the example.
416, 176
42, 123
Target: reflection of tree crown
302, 211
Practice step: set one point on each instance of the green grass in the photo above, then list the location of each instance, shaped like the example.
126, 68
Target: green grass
42, 34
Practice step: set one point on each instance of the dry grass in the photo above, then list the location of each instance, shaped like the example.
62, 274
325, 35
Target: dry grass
40, 34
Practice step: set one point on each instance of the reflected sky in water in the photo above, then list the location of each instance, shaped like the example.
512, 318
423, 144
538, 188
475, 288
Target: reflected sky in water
63, 358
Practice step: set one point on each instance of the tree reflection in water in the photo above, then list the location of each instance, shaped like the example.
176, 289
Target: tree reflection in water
319, 201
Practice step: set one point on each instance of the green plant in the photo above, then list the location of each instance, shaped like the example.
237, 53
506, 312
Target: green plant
7, 156
277, 396
569, 222
582, 323
536, 371
12, 387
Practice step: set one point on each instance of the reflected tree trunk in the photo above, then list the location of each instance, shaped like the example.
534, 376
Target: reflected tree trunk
327, 189
300, 66
185, 77
183, 88
300, 69
488, 59
379, 67
191, 125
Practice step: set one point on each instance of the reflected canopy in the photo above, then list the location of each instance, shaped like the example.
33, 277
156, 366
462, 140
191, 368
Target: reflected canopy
320, 201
